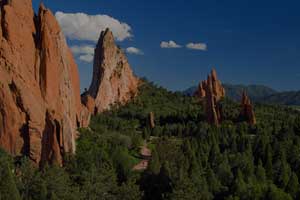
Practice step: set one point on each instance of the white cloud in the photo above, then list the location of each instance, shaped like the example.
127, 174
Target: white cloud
81, 26
197, 46
84, 49
169, 45
84, 53
133, 50
86, 58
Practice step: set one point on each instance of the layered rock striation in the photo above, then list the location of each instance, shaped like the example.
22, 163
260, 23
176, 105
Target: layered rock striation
113, 79
40, 106
211, 92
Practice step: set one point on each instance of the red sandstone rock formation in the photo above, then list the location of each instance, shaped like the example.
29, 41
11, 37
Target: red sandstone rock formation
40, 107
211, 91
113, 80
151, 120
217, 89
89, 102
247, 112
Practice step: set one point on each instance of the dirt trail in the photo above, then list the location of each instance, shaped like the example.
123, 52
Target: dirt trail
145, 153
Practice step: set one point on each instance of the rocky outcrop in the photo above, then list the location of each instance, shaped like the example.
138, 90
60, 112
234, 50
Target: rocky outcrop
113, 80
40, 106
217, 90
151, 120
211, 92
247, 112
89, 102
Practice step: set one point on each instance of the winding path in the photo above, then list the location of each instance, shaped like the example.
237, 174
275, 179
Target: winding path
145, 153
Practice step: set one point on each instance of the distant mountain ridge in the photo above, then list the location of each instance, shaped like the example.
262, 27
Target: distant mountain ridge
257, 93
284, 98
235, 92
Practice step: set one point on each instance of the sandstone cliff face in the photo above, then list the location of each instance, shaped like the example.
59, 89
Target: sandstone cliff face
113, 80
89, 102
40, 105
210, 92
247, 111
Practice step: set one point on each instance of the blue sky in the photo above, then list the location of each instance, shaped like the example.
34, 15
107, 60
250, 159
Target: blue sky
248, 42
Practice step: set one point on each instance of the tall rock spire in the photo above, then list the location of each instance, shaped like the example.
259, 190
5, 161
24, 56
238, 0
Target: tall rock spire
40, 106
247, 112
113, 80
211, 91
212, 81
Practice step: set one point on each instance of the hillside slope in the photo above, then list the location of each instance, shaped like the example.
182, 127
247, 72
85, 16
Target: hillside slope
283, 98
190, 158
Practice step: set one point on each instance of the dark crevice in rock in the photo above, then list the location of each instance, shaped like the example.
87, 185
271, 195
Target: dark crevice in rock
3, 27
43, 73
24, 130
17, 96
46, 140
58, 133
51, 141
4, 2
40, 54
1, 120
37, 42
37, 24
77, 122
95, 111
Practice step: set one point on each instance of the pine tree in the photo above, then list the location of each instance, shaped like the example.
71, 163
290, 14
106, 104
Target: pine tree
179, 130
297, 125
146, 134
293, 186
224, 173
239, 186
8, 187
284, 174
269, 163
129, 191
99, 183
260, 172
165, 179
185, 189
275, 193
43, 192
154, 164
213, 183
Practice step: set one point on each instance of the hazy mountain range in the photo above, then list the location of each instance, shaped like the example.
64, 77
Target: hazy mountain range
257, 93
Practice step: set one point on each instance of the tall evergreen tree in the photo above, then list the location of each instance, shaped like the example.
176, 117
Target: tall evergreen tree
239, 186
293, 186
154, 164
8, 187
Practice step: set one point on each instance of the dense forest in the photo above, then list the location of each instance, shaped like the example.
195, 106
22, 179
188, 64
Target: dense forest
190, 158
284, 98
